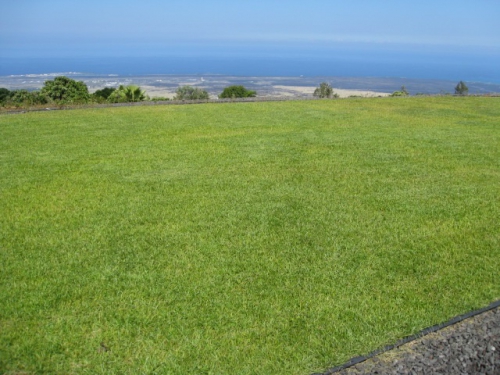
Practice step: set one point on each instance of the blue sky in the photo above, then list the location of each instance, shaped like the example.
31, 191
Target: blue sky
443, 39
68, 28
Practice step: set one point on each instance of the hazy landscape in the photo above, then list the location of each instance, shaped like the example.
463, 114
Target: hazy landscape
162, 85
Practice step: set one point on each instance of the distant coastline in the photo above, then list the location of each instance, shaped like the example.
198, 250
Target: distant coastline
165, 85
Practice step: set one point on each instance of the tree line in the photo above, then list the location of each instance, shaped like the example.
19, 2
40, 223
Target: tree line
63, 91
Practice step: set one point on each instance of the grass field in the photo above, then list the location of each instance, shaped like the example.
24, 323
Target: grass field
249, 238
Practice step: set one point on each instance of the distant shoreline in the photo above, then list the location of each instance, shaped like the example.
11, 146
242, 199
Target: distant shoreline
165, 85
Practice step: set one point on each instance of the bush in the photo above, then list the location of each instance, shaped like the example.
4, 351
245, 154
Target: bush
4, 94
402, 92
103, 94
190, 93
232, 92
25, 98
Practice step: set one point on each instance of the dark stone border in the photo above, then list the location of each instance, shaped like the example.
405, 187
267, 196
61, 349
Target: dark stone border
356, 360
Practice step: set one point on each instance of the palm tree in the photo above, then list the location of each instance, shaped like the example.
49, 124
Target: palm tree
126, 94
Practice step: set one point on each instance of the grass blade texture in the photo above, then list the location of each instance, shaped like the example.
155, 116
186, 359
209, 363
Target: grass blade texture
246, 238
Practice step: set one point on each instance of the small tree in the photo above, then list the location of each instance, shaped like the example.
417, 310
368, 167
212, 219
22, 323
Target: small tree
66, 90
461, 88
190, 93
324, 91
232, 92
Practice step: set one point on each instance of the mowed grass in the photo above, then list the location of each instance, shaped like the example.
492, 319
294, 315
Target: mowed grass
249, 238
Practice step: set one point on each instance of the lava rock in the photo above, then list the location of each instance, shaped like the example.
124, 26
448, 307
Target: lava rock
468, 347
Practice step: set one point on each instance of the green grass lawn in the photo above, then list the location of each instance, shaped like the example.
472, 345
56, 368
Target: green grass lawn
248, 238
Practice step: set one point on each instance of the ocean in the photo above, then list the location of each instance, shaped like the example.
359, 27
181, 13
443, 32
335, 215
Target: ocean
471, 67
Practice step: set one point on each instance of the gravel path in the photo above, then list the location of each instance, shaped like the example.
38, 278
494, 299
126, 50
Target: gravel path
471, 346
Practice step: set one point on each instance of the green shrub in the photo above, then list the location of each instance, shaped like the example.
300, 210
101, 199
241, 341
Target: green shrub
103, 94
402, 92
25, 98
398, 93
4, 94
232, 92
66, 90
191, 93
